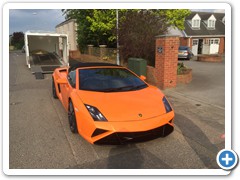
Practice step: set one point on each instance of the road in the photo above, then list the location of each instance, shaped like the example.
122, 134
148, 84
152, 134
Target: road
40, 138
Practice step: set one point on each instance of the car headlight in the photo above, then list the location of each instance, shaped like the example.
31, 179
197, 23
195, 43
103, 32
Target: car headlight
95, 113
166, 104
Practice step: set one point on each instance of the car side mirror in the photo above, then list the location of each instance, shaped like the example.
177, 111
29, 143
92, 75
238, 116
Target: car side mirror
143, 78
62, 81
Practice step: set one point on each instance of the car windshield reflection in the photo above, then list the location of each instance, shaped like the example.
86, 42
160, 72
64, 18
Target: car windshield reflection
109, 80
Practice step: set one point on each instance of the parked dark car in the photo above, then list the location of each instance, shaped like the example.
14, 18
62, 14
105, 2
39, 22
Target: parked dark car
184, 52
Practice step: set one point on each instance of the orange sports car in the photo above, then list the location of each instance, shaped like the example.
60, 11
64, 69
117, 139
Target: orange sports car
109, 104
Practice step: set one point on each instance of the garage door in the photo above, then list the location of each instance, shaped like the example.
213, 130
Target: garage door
195, 46
214, 46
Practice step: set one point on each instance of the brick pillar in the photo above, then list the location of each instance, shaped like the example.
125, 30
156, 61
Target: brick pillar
166, 59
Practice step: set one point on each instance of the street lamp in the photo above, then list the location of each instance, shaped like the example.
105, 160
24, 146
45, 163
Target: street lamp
118, 60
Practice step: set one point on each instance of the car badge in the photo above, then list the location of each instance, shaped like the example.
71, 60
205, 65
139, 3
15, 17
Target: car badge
140, 115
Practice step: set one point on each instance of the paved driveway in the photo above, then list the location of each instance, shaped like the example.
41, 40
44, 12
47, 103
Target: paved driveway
208, 83
39, 135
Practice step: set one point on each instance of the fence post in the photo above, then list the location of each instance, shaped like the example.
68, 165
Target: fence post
103, 50
90, 49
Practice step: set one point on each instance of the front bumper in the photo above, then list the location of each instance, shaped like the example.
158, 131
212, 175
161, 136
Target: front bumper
127, 137
133, 131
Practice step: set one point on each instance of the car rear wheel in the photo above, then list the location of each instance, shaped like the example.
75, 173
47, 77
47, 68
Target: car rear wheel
72, 118
54, 93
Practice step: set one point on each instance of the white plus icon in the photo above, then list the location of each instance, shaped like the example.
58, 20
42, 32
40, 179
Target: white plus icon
227, 159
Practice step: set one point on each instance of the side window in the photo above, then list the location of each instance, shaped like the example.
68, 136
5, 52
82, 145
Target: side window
72, 78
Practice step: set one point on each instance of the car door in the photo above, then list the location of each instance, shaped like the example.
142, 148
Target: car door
67, 88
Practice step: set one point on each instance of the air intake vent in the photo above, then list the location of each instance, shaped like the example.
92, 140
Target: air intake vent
98, 132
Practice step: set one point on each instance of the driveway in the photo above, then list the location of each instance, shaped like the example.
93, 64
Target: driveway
208, 83
40, 138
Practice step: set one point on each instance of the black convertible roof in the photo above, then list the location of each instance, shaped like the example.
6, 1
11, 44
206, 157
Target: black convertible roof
90, 64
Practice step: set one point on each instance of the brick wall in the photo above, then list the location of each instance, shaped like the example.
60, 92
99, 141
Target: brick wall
74, 54
151, 77
185, 78
183, 41
222, 46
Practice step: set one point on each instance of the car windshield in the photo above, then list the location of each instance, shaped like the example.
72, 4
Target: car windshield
109, 80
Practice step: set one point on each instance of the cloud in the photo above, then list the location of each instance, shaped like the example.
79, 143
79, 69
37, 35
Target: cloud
21, 20
219, 10
209, 10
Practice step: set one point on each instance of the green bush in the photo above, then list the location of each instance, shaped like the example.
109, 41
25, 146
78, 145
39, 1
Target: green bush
181, 68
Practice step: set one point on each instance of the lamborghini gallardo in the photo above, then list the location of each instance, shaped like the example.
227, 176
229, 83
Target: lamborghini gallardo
109, 104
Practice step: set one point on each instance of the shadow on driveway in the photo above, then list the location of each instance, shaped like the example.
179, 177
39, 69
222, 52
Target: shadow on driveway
198, 141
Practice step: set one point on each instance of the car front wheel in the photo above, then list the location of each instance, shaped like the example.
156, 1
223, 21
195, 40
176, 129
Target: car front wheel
72, 118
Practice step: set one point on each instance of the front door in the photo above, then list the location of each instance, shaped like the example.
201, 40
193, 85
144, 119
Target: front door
200, 46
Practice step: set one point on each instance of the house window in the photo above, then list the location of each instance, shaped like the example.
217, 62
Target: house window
214, 41
206, 41
211, 23
195, 42
196, 23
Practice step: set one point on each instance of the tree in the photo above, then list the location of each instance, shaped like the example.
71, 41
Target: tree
137, 34
175, 17
103, 24
17, 40
98, 26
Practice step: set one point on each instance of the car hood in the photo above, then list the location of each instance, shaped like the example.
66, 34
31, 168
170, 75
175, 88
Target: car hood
126, 106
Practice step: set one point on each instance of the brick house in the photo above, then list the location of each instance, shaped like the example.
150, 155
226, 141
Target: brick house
204, 33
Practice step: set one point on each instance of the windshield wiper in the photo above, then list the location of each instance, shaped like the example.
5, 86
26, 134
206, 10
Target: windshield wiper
131, 87
117, 89
139, 87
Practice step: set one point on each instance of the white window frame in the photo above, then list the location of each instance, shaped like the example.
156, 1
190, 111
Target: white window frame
193, 42
223, 20
206, 41
196, 23
214, 41
211, 23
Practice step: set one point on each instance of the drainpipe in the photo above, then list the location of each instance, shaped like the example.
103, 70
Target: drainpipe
118, 60
189, 43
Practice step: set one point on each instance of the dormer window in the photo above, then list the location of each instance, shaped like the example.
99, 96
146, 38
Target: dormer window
223, 20
196, 20
211, 22
196, 23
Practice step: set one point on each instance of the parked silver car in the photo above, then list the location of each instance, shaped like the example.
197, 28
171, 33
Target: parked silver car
184, 52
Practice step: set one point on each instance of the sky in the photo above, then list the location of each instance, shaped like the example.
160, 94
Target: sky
22, 20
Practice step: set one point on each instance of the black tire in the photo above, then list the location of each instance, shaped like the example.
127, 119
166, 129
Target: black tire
72, 118
54, 92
